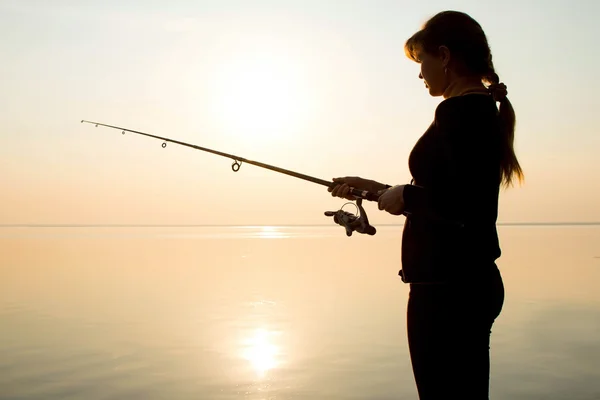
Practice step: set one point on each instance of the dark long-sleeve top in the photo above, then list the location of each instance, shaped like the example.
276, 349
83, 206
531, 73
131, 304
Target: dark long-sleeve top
452, 202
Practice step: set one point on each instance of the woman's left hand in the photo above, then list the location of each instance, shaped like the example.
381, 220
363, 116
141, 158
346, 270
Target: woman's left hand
392, 200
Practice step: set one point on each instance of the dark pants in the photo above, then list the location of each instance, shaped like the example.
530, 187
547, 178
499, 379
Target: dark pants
449, 327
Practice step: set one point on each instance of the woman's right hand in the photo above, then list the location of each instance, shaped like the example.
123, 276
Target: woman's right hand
347, 183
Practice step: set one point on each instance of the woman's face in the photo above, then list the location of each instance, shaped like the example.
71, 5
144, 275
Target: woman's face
432, 72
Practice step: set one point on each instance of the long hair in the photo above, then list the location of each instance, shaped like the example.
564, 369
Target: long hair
468, 44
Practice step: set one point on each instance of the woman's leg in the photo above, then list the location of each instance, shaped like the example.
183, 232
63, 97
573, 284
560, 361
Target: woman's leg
448, 333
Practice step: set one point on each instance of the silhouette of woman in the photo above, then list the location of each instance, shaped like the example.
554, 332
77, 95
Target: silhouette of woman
450, 243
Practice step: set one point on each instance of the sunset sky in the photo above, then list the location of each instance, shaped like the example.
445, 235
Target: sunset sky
321, 87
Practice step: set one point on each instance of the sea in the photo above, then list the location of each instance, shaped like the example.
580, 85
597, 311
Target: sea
273, 313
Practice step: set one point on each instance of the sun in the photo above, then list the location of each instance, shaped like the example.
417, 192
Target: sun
259, 96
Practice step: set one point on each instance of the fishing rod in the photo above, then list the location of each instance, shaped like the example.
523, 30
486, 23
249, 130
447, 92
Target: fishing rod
348, 220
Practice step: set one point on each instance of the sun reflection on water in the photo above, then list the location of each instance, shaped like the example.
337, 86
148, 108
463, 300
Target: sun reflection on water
261, 352
271, 232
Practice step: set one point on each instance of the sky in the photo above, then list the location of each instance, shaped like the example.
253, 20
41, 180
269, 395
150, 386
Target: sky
322, 88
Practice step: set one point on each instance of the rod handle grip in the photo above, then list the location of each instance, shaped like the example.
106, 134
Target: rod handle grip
365, 194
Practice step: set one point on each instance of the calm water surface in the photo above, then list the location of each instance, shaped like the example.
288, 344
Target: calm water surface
272, 313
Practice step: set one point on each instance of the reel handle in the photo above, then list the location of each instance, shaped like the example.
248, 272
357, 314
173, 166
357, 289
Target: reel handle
369, 230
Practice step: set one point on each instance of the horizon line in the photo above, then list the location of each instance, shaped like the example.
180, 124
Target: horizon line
34, 225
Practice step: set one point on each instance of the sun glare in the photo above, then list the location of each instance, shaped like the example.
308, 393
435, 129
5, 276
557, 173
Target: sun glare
271, 232
261, 352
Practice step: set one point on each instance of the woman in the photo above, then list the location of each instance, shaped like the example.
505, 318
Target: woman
449, 241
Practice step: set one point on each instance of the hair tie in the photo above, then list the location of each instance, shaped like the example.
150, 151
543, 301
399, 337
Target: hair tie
498, 91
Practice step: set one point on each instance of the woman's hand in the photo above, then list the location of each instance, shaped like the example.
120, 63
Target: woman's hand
347, 183
392, 200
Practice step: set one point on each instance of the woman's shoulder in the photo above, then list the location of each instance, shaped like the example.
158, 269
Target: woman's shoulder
466, 108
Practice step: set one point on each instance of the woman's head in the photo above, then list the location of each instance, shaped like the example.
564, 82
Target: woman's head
453, 45
451, 42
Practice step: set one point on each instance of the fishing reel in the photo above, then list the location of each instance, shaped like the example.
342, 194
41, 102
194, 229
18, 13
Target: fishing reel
358, 223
